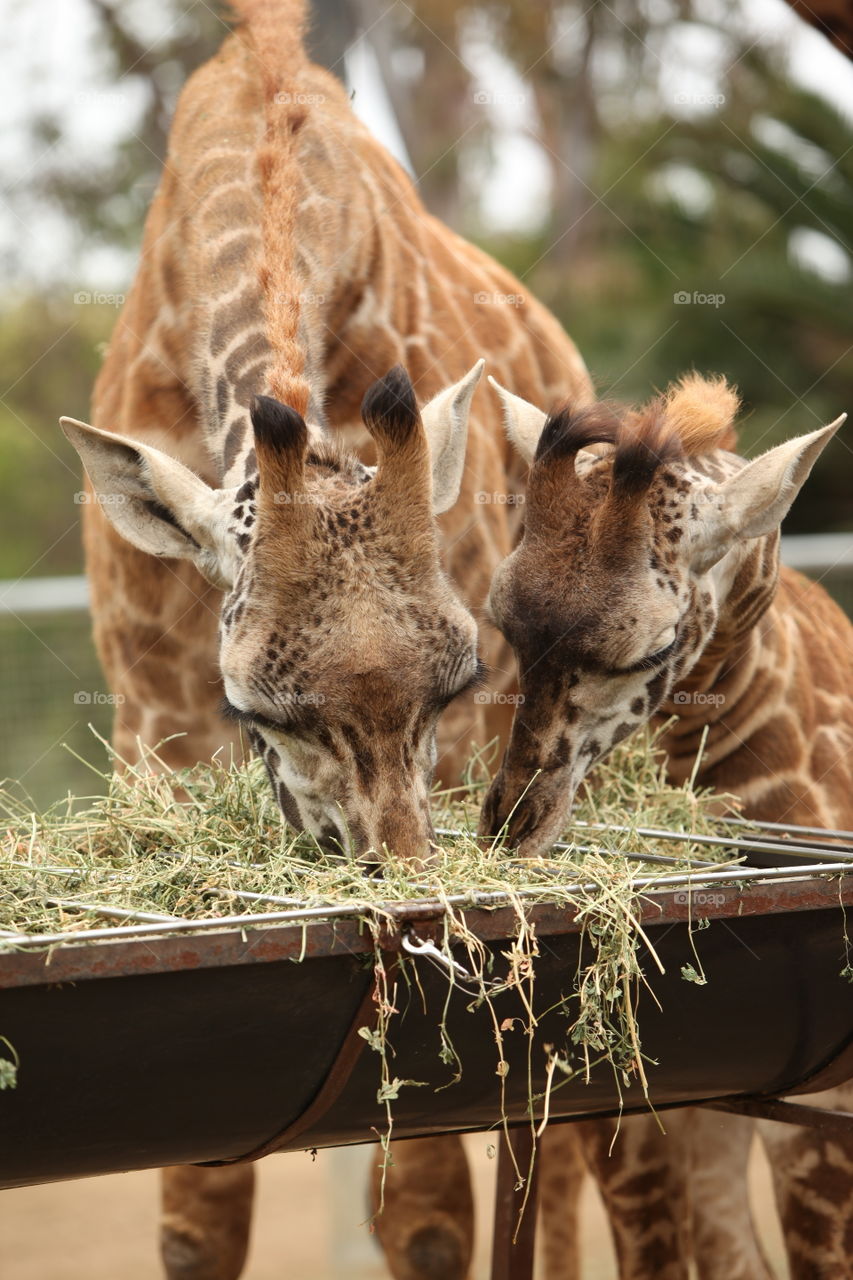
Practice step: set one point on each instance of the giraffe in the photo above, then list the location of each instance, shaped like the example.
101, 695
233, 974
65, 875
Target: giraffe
647, 586
250, 532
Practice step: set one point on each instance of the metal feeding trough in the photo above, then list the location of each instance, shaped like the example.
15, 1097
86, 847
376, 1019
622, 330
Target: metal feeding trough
150, 1044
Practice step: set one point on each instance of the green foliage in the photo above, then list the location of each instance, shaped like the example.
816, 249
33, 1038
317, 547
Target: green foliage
51, 349
8, 1066
51, 690
764, 166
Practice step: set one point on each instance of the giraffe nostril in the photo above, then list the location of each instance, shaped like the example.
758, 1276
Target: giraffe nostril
330, 842
492, 815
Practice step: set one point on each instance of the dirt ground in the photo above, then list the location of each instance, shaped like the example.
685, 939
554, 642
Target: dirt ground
307, 1226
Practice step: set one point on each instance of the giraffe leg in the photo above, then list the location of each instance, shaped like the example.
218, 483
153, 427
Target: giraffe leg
560, 1185
643, 1183
813, 1181
426, 1227
206, 1217
725, 1242
156, 632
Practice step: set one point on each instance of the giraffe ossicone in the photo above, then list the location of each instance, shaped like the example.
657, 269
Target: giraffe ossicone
638, 523
341, 638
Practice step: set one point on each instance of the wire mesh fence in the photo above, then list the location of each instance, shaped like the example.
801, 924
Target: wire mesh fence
52, 688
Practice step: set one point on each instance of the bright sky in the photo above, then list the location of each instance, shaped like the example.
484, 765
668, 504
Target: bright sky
51, 63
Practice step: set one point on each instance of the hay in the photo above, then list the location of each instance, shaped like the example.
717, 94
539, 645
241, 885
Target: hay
200, 843
140, 848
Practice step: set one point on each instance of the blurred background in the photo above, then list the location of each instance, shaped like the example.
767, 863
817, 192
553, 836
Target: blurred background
673, 179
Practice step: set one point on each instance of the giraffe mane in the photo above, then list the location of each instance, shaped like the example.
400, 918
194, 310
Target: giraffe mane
694, 416
276, 42
702, 411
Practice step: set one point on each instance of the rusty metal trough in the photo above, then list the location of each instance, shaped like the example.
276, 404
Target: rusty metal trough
232, 1040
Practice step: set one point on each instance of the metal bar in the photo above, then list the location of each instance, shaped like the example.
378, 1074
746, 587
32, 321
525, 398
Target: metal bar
250, 896
685, 837
121, 913
44, 595
420, 906
720, 842
827, 832
145, 952
829, 552
514, 1241
826, 552
836, 1124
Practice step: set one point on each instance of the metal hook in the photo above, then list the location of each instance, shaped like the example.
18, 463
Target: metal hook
423, 947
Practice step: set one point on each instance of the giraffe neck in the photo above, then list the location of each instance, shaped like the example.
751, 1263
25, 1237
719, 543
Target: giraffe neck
770, 695
235, 355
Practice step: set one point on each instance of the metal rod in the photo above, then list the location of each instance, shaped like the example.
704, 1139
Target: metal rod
744, 845
250, 896
836, 1124
400, 910
720, 842
826, 832
121, 913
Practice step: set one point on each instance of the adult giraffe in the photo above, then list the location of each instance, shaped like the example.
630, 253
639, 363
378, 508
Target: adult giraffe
647, 585
287, 263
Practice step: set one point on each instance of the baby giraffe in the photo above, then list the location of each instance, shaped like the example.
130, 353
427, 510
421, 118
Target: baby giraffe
647, 586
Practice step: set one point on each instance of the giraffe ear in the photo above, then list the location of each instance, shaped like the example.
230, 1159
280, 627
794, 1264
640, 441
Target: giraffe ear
756, 500
157, 503
445, 421
522, 420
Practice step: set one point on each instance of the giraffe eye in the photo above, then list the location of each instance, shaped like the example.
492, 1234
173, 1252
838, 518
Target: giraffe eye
651, 660
474, 681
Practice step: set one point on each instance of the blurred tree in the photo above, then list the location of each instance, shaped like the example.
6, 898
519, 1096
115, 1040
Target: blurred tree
710, 275
130, 173
54, 347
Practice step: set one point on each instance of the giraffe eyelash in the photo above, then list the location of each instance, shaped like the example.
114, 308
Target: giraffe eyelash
252, 719
651, 660
476, 681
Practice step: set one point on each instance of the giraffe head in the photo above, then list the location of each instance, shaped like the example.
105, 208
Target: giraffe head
636, 525
341, 639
